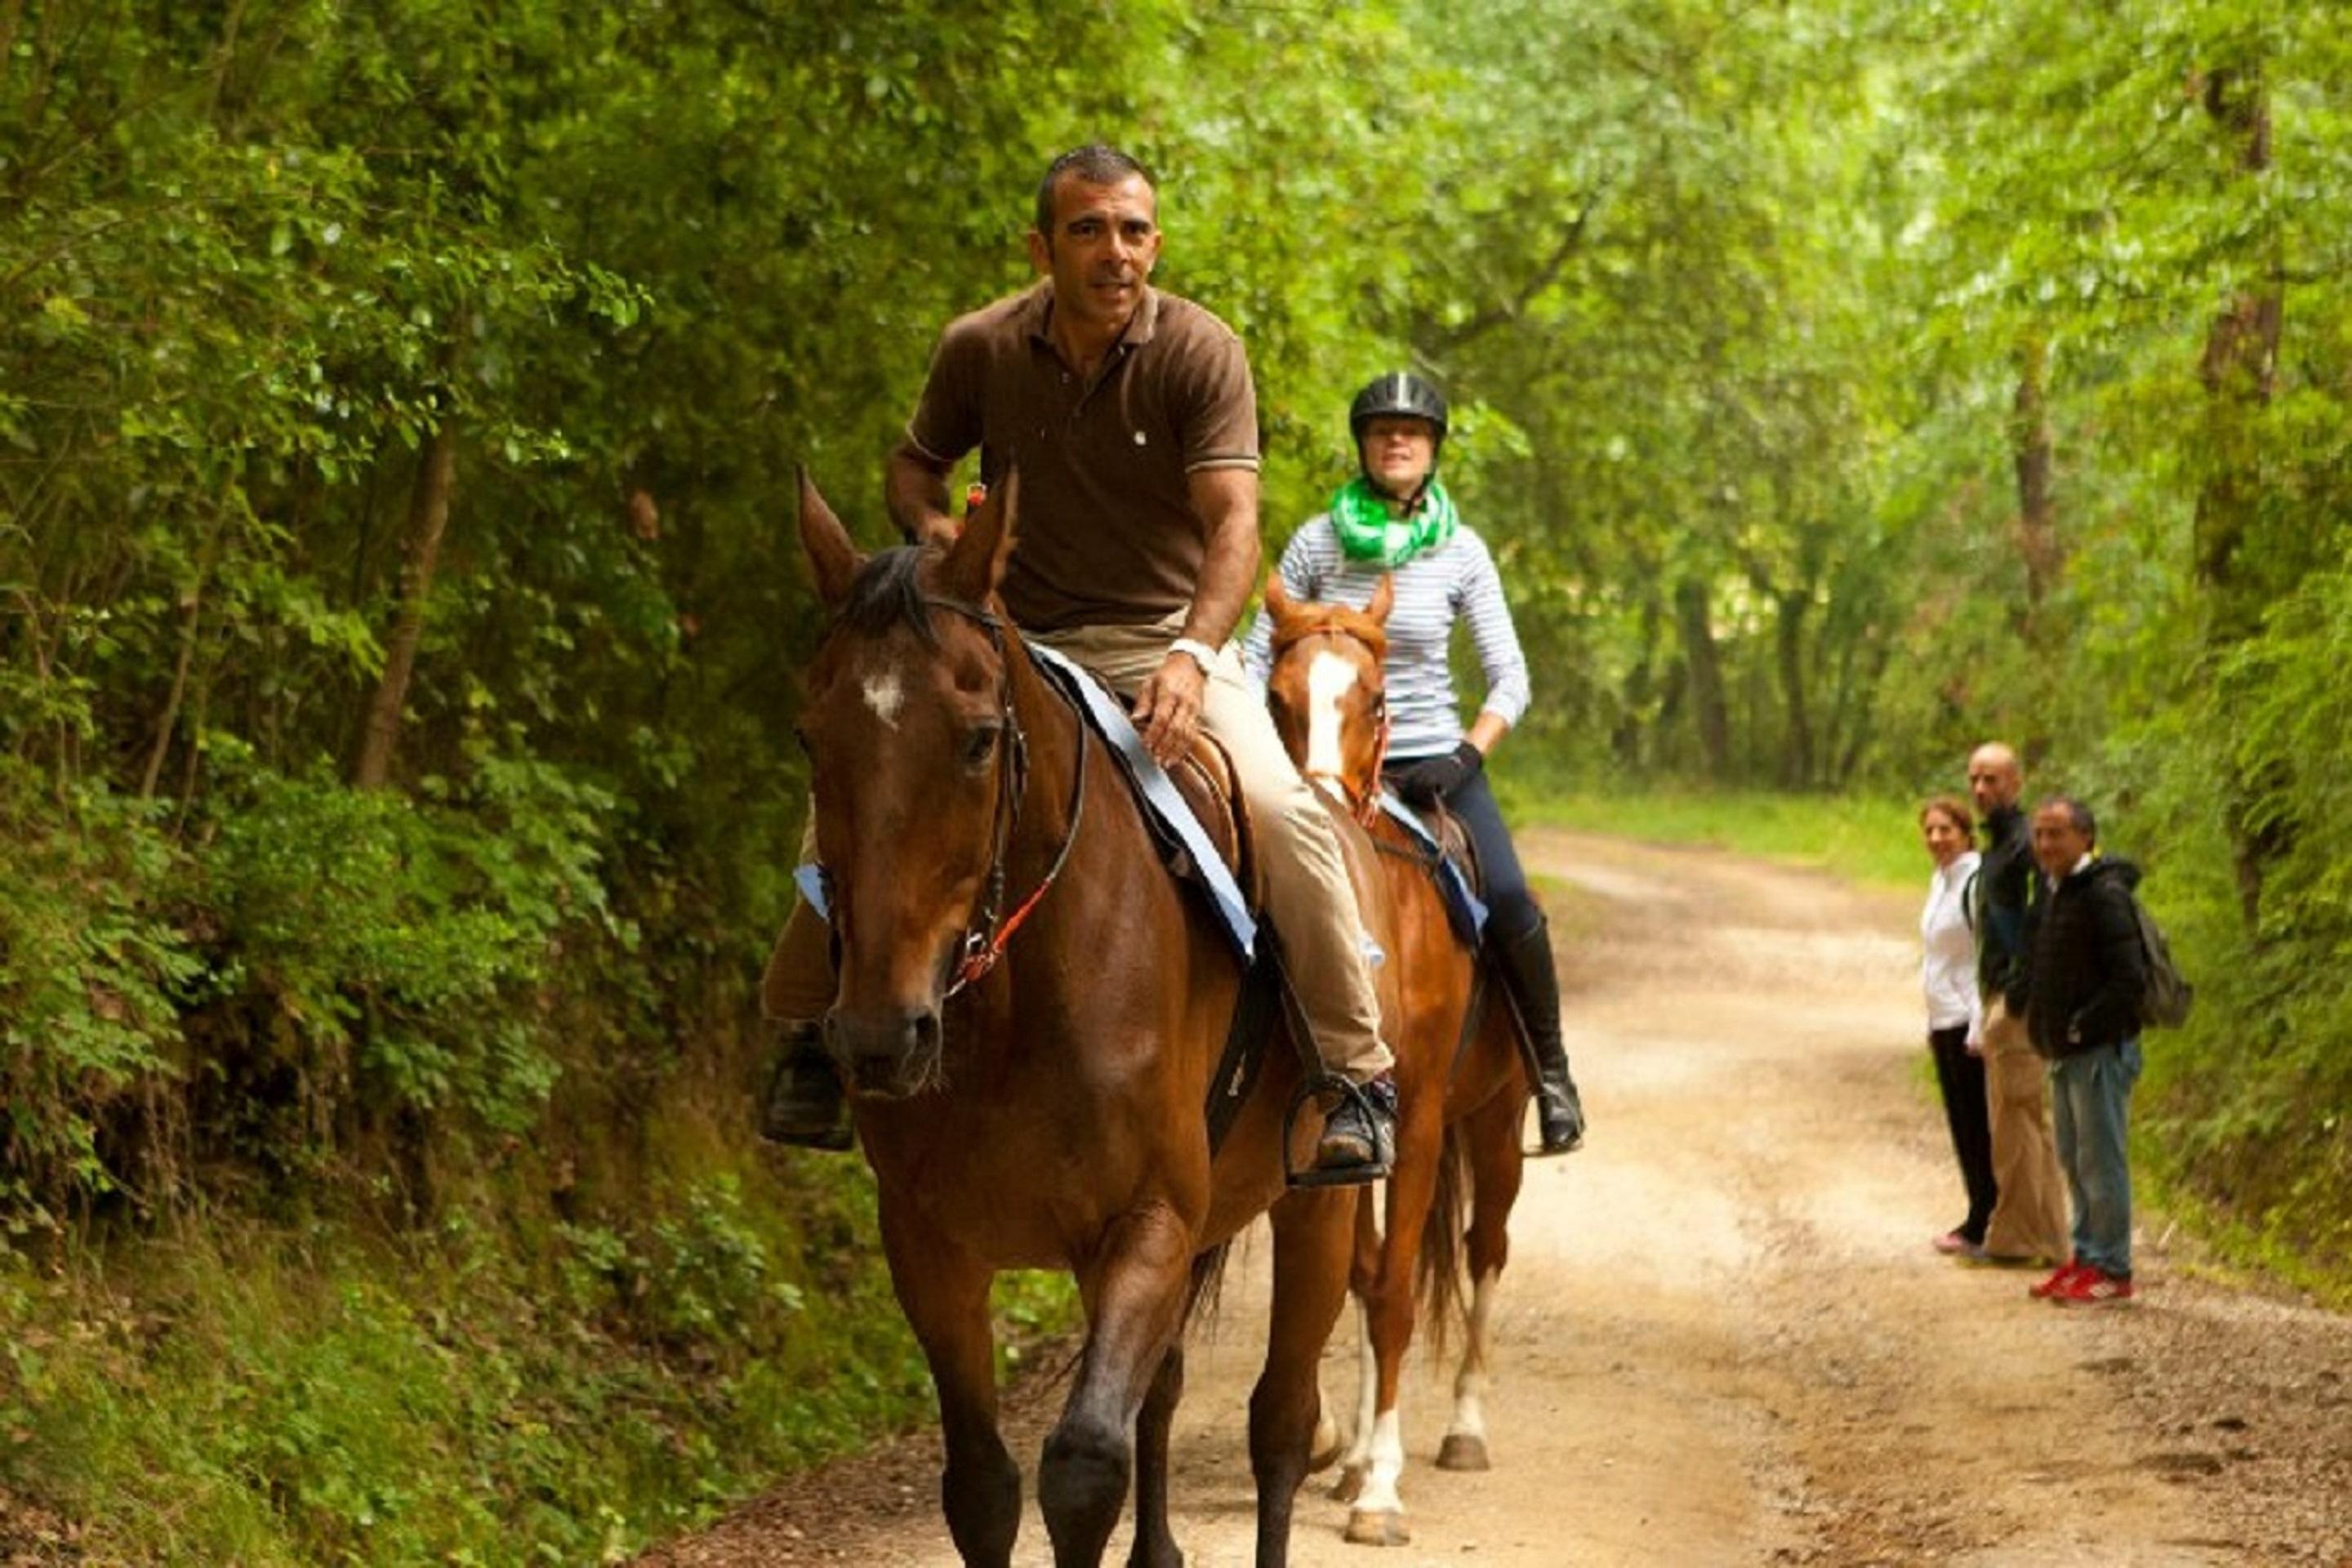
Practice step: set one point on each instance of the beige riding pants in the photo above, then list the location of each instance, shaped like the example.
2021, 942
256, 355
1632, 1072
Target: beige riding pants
1308, 898
2029, 1220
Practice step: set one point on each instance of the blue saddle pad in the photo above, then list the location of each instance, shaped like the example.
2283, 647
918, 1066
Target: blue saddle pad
1464, 910
1156, 791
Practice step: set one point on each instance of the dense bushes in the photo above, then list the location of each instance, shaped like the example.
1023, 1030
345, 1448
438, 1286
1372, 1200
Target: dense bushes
399, 407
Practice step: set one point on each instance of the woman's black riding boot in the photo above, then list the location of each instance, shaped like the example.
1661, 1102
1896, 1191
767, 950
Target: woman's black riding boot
805, 1102
1527, 964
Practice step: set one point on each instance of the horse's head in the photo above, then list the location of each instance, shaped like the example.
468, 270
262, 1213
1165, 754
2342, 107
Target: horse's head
915, 765
1329, 696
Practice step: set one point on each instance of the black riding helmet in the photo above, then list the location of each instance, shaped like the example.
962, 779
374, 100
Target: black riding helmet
1399, 395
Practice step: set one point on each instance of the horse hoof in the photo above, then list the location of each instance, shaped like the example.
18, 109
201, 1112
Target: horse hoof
1348, 1484
1385, 1528
1461, 1451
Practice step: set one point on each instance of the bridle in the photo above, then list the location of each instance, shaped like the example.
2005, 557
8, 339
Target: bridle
990, 930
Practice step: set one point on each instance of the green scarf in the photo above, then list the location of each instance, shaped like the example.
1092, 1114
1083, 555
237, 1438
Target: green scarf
1359, 515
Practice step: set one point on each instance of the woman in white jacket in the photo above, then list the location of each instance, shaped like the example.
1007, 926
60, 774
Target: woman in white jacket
1947, 975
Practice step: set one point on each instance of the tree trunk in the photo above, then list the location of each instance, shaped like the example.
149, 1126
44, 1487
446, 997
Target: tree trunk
192, 612
1788, 640
2239, 369
2037, 512
1710, 708
428, 519
1639, 695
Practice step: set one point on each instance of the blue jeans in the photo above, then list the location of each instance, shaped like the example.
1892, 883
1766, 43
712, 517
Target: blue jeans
2091, 1096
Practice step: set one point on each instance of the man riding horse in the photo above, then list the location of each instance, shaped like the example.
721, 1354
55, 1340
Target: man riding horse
1129, 416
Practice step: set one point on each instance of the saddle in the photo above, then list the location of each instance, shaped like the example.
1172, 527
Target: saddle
1445, 852
1195, 811
1201, 825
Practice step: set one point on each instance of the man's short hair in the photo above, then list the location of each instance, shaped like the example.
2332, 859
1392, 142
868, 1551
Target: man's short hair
2076, 812
1094, 163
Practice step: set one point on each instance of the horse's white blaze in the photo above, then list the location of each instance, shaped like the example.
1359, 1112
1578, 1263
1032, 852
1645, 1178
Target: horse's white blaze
1328, 678
884, 696
1379, 1493
1470, 1382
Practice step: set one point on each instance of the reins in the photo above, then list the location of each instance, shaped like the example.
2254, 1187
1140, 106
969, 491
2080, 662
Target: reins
985, 939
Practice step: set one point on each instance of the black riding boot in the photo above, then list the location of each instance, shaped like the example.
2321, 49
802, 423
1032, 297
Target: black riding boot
805, 1102
1526, 967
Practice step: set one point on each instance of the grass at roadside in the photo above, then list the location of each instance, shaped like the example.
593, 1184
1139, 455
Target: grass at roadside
1869, 840
495, 1388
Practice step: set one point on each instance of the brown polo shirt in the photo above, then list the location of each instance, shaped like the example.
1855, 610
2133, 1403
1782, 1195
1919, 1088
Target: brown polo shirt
1107, 534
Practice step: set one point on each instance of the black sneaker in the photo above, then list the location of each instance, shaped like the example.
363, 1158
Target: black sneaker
804, 1106
1358, 1137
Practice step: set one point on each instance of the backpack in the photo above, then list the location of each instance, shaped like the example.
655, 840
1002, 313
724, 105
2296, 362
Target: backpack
2166, 1002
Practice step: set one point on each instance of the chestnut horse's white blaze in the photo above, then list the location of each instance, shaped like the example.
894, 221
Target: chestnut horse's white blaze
1330, 678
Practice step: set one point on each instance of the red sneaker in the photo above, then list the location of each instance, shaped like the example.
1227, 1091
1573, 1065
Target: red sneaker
2090, 1287
2058, 1284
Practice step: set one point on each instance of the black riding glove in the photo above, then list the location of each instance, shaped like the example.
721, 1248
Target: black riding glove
1434, 779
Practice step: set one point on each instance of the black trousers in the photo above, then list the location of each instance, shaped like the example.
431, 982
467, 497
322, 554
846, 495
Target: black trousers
1962, 1078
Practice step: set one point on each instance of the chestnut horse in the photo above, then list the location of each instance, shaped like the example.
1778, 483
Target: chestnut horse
1045, 1110
1460, 1085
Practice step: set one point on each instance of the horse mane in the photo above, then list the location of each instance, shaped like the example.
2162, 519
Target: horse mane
1305, 621
886, 593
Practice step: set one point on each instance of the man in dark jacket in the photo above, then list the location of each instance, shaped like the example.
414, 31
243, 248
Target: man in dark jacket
2087, 978
2028, 1224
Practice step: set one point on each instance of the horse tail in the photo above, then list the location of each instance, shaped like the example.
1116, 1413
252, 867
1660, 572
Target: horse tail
1208, 1284
1442, 1282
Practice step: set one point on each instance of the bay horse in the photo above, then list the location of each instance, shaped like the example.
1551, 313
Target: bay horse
1030, 1090
1461, 1085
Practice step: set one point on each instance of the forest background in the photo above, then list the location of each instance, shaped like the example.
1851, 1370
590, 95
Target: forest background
399, 612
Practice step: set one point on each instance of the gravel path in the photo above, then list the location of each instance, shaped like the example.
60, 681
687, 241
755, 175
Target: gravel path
1723, 1339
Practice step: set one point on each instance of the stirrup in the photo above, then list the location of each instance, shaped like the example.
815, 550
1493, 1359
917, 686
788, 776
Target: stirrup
1341, 1089
778, 1125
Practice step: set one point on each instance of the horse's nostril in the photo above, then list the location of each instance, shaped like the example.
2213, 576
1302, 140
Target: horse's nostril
926, 1031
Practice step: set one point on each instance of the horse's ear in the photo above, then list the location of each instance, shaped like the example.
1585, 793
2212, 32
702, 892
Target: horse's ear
1277, 599
832, 557
1383, 600
975, 563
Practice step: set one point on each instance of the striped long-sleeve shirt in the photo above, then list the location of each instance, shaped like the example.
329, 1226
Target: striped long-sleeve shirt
1457, 580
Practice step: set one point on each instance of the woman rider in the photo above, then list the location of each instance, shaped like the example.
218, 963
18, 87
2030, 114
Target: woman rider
1395, 519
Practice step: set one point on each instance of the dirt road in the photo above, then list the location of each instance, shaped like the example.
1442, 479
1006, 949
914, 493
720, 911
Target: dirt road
1723, 1337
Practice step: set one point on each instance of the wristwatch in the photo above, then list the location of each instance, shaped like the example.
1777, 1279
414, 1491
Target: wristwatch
1196, 650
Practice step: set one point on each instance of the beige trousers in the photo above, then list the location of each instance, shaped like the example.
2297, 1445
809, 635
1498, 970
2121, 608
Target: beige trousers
2030, 1218
1308, 897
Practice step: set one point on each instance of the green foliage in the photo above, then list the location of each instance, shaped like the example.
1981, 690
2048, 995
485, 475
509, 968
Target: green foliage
1751, 315
408, 940
265, 1399
93, 972
1860, 838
